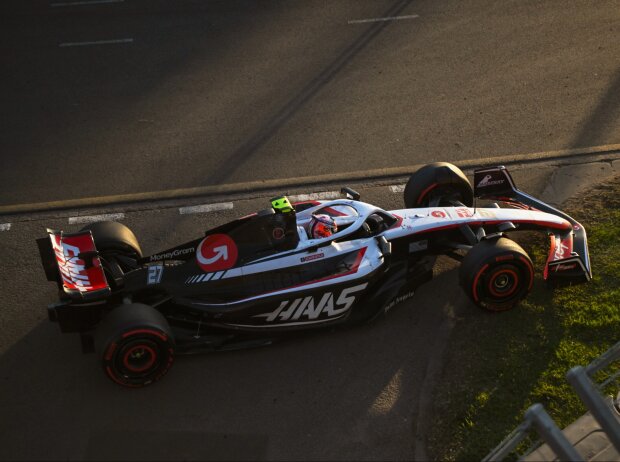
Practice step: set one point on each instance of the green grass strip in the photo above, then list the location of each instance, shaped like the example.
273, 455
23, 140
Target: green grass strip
497, 365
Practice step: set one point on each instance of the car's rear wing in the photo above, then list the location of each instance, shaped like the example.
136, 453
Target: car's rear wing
73, 262
569, 259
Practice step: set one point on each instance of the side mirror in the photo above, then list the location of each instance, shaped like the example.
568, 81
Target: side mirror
350, 193
385, 246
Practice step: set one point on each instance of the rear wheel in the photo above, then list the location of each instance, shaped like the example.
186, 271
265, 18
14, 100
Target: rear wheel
496, 274
118, 247
135, 344
110, 236
438, 184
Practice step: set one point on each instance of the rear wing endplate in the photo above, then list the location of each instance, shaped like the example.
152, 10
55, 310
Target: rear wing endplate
73, 262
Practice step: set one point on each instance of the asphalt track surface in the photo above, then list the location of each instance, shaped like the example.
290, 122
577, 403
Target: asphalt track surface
360, 394
345, 395
194, 93
214, 93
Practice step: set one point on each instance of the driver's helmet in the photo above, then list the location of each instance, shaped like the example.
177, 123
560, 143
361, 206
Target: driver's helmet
322, 226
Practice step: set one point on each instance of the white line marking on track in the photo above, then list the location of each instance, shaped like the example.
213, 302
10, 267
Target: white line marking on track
95, 218
389, 18
315, 196
5, 226
205, 208
86, 2
397, 188
97, 42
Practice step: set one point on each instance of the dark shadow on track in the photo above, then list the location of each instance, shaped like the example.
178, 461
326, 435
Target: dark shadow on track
247, 149
60, 102
309, 398
349, 394
605, 117
346, 394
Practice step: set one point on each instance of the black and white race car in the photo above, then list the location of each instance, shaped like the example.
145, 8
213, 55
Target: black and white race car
256, 278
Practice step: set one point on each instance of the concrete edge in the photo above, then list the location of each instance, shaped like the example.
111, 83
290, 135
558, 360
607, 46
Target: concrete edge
596, 153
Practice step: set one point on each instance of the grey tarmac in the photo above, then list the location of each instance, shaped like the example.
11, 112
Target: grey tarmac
359, 394
211, 93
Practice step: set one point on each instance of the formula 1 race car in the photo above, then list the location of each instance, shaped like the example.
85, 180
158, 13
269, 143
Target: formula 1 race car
259, 277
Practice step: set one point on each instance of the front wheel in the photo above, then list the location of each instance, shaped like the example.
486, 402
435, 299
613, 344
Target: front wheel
135, 344
496, 274
438, 184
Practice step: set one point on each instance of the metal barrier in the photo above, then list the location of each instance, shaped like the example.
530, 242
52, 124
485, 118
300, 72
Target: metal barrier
596, 404
604, 410
591, 393
536, 417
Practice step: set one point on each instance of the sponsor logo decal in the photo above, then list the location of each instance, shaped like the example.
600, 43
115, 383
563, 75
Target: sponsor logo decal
487, 181
486, 213
72, 269
566, 267
464, 213
216, 252
171, 255
310, 308
561, 251
397, 300
312, 257
155, 273
277, 233
438, 214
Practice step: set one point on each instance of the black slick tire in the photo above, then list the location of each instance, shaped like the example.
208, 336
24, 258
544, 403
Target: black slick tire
438, 181
496, 274
110, 237
135, 345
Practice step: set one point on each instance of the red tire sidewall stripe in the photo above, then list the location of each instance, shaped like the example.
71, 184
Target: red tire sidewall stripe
110, 351
113, 376
475, 284
426, 191
530, 269
161, 335
504, 258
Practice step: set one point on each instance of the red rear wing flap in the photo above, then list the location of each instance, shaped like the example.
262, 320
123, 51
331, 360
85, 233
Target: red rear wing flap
79, 267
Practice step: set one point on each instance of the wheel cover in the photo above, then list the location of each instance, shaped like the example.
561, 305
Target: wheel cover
503, 283
139, 357
501, 287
